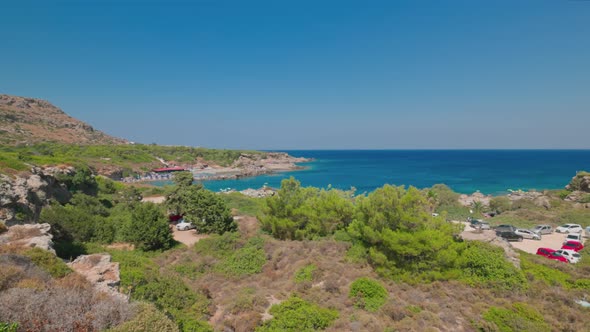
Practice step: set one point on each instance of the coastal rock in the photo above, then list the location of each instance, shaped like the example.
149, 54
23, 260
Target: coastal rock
468, 200
30, 235
259, 193
580, 182
575, 196
515, 195
100, 271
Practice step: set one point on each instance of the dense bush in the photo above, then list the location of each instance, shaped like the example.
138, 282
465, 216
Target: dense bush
520, 317
206, 210
298, 315
368, 294
150, 229
306, 213
401, 237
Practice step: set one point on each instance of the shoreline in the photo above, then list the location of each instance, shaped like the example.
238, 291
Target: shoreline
247, 165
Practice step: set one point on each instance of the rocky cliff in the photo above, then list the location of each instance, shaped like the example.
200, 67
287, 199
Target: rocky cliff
29, 120
22, 197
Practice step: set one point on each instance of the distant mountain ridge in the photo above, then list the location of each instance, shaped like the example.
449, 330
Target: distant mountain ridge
29, 120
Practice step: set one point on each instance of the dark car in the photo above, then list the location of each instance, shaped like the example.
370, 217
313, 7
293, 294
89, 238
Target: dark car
505, 228
509, 236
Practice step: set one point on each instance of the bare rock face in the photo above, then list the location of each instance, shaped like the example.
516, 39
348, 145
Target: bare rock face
31, 235
100, 271
22, 198
468, 200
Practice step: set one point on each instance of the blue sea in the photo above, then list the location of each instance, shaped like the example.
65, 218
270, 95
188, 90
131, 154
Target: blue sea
465, 171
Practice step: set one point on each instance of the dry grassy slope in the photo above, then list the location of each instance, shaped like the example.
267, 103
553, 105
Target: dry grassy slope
28, 120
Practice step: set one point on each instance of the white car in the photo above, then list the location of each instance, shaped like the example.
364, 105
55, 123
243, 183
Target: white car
569, 228
184, 226
571, 256
542, 229
525, 233
573, 237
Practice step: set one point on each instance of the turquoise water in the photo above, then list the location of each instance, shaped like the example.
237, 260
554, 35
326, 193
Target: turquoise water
465, 171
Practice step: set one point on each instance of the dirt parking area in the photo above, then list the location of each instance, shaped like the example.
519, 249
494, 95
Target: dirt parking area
553, 241
189, 237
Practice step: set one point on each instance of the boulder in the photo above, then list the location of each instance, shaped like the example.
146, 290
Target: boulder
30, 235
100, 271
542, 201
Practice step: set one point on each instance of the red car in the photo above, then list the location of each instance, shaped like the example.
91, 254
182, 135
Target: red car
573, 245
558, 257
545, 251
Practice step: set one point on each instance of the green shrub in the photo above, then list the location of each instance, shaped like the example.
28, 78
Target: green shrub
305, 273
247, 260
368, 294
298, 315
148, 319
8, 327
48, 262
500, 204
519, 318
549, 275
484, 264
306, 213
149, 228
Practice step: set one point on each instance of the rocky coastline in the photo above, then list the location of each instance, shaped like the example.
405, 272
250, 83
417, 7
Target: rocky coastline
247, 165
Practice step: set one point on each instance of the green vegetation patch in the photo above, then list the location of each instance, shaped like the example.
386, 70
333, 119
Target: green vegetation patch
296, 314
245, 261
48, 262
519, 318
305, 273
243, 204
368, 294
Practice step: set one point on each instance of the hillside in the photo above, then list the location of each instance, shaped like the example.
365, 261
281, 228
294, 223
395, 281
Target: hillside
29, 121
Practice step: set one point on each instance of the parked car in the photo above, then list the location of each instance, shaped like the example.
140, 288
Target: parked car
573, 237
505, 228
572, 256
569, 228
558, 257
528, 234
573, 245
510, 236
184, 225
545, 251
588, 231
542, 229
175, 217
481, 225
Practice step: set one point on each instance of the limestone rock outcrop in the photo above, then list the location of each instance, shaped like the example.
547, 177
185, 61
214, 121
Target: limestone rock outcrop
31, 235
100, 271
468, 200
22, 197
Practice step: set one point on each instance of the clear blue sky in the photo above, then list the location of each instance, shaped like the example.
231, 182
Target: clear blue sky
309, 74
